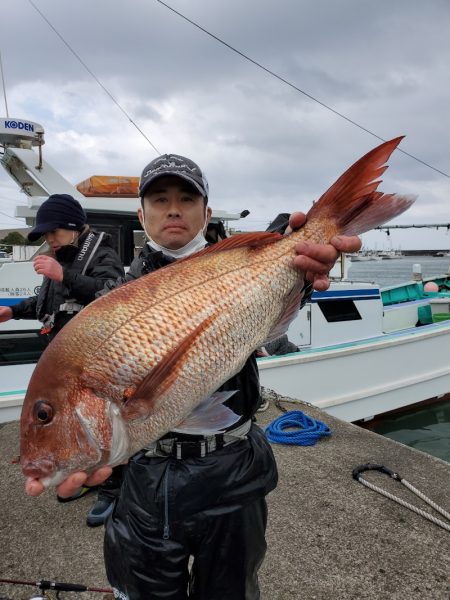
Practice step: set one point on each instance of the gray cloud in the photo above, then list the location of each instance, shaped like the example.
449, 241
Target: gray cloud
264, 146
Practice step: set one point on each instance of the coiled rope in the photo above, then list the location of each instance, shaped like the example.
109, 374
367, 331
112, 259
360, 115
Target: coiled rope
374, 467
303, 429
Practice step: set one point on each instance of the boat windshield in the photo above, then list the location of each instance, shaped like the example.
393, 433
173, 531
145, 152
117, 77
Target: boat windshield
21, 347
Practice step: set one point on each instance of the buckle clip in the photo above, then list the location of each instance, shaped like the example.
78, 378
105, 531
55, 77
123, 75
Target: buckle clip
191, 449
203, 448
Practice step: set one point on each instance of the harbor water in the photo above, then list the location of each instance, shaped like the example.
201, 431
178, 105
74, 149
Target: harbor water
428, 428
397, 270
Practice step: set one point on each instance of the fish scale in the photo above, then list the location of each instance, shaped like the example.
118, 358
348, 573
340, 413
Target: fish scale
231, 346
235, 293
172, 317
139, 361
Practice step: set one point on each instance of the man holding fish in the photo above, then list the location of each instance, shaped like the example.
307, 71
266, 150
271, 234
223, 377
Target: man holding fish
179, 401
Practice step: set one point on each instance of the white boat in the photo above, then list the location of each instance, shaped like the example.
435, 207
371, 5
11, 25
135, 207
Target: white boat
365, 255
361, 353
358, 367
390, 254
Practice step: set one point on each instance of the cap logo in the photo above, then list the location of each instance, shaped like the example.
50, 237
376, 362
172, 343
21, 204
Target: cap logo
169, 165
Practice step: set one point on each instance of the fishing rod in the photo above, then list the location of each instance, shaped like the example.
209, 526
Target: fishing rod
57, 586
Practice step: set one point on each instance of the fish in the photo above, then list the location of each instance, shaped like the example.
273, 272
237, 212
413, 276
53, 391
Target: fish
147, 357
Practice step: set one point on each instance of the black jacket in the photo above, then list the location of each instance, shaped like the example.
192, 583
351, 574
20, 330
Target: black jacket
82, 288
211, 505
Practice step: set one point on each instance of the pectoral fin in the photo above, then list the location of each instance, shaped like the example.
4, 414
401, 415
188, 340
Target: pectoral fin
209, 417
138, 403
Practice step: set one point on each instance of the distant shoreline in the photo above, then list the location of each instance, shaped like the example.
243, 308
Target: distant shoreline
422, 252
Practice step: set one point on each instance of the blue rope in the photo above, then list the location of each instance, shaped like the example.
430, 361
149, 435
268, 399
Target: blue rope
307, 430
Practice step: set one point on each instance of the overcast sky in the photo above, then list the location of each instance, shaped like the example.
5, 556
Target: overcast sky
263, 146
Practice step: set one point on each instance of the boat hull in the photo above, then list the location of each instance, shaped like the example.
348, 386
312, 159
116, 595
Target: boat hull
367, 378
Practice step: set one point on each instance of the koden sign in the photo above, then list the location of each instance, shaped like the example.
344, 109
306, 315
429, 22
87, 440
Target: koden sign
25, 125
14, 131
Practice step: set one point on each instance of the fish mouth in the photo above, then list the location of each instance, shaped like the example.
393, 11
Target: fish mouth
38, 469
46, 472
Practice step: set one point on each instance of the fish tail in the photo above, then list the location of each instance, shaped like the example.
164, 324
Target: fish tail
353, 203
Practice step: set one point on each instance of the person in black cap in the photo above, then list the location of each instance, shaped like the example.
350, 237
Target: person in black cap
80, 262
78, 265
194, 496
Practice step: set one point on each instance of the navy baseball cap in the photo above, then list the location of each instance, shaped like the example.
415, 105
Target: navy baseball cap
174, 164
59, 211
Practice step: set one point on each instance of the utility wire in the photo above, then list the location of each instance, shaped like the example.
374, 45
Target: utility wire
4, 86
273, 74
9, 217
94, 77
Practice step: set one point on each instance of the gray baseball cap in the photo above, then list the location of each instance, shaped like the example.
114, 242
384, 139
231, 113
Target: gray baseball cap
174, 164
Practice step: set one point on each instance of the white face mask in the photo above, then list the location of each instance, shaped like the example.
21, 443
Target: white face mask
197, 243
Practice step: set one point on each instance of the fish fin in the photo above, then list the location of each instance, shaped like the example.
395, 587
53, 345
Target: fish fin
292, 307
138, 404
240, 240
353, 203
209, 417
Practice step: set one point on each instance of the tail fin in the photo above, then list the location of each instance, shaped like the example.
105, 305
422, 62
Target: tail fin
353, 203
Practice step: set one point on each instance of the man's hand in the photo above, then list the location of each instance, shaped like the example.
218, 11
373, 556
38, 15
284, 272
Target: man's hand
49, 267
317, 260
5, 313
72, 484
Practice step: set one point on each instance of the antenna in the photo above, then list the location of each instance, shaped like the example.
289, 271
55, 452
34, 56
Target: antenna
4, 86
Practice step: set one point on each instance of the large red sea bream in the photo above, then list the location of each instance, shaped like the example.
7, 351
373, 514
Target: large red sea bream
147, 357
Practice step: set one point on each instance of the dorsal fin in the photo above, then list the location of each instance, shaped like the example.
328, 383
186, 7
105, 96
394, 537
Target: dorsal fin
239, 240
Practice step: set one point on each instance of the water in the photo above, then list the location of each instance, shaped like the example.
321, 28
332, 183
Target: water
397, 270
428, 428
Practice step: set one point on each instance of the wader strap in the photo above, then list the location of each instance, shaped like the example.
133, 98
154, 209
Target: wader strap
47, 321
79, 265
86, 253
70, 307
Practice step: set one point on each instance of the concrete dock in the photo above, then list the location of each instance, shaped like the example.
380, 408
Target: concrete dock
328, 536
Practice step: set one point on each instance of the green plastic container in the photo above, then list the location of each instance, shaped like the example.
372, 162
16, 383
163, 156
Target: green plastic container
438, 317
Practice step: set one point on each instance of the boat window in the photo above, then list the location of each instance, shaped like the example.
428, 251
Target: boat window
339, 310
21, 347
121, 228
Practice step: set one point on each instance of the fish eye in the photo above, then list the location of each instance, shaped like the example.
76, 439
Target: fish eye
43, 411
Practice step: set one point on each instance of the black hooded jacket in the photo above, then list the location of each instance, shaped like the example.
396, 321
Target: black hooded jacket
208, 505
81, 288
